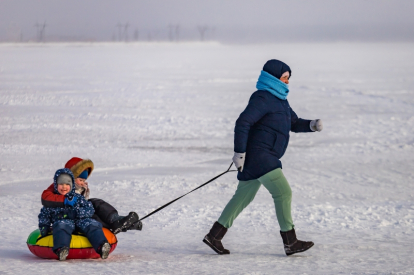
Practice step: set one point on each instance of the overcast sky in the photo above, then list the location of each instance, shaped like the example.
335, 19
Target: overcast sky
225, 20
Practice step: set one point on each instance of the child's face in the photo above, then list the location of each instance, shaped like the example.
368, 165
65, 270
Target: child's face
63, 189
81, 182
285, 78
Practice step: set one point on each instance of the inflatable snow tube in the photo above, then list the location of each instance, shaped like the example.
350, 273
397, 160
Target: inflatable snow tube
80, 247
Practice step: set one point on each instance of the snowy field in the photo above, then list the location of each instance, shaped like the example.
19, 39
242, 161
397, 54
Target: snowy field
157, 120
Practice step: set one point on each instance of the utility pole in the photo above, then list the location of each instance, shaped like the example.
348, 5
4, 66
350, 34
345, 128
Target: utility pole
119, 26
170, 32
37, 31
202, 30
42, 32
173, 32
136, 35
126, 31
177, 32
122, 32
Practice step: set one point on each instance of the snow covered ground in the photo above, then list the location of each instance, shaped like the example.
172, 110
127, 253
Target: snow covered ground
157, 120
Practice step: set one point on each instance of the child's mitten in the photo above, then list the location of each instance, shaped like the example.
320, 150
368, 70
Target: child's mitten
71, 201
316, 125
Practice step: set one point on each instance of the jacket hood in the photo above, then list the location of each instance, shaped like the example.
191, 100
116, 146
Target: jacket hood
57, 174
276, 68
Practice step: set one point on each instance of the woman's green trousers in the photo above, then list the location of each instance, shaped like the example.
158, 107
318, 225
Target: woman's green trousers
276, 183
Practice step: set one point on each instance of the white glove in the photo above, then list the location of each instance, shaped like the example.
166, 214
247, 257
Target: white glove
238, 160
316, 125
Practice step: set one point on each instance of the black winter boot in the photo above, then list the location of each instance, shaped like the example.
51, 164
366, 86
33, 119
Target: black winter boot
292, 244
124, 223
135, 226
62, 253
213, 239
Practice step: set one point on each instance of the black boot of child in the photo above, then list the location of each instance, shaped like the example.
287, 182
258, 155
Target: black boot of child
135, 226
124, 223
213, 239
292, 244
62, 253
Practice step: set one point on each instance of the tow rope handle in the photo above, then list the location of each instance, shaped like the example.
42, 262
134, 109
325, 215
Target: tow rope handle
165, 205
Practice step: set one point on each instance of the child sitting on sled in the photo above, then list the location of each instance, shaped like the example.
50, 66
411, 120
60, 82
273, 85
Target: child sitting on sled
65, 220
105, 213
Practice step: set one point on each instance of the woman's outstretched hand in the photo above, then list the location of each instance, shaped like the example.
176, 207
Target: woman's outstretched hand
316, 125
238, 160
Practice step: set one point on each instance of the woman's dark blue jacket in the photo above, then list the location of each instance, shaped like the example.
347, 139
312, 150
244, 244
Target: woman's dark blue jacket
262, 131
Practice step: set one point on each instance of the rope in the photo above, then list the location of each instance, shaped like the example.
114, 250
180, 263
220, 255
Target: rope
165, 205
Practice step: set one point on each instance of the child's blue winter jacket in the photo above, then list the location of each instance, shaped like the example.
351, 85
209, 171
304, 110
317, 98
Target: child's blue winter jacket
83, 209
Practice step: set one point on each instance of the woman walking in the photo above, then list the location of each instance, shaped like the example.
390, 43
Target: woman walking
261, 137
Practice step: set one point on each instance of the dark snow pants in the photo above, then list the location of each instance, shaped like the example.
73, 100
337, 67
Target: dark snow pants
63, 229
103, 212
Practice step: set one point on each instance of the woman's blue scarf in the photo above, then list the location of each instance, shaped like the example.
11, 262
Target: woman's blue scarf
268, 82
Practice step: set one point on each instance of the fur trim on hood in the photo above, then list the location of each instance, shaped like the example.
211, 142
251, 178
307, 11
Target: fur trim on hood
78, 165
